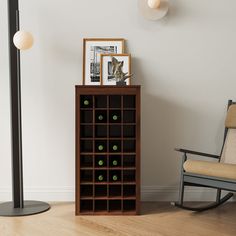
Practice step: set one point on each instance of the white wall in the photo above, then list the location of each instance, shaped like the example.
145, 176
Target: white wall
186, 64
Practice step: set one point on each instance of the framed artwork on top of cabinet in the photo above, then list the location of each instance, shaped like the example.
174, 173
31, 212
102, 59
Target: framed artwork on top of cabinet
92, 50
106, 70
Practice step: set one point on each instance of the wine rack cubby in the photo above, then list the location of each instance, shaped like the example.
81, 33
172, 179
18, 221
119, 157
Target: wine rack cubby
107, 150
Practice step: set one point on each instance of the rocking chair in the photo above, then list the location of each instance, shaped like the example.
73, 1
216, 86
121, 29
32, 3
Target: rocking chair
220, 175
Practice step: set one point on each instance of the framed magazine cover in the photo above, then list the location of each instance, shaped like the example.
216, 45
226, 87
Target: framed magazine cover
92, 50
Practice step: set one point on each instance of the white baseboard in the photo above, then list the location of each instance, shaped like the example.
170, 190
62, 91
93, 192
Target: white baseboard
42, 194
169, 194
148, 193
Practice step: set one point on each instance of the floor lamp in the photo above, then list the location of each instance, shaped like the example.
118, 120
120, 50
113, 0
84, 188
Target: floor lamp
22, 40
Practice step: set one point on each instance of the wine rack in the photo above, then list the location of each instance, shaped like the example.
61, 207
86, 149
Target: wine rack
107, 150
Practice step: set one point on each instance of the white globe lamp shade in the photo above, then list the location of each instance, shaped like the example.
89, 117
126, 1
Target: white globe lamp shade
153, 9
23, 40
154, 3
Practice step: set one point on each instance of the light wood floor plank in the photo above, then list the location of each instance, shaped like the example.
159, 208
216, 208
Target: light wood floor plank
157, 219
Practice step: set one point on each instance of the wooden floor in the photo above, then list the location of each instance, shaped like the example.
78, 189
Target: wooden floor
156, 219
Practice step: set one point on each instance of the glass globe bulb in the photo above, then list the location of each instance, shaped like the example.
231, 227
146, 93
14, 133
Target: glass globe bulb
23, 40
154, 3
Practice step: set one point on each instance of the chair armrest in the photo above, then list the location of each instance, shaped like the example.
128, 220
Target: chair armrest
196, 153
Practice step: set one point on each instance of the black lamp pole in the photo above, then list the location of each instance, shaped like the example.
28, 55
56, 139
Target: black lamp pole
15, 90
18, 207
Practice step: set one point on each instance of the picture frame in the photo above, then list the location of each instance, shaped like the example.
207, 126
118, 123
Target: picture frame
92, 49
105, 70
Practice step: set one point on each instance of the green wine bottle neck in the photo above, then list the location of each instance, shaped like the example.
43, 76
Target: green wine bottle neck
100, 117
115, 117
100, 147
100, 162
86, 102
115, 177
100, 178
115, 147
115, 163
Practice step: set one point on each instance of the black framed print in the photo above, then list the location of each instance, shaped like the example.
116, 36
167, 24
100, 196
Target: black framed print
92, 50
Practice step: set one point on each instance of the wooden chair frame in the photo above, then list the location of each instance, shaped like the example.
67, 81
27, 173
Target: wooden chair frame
196, 180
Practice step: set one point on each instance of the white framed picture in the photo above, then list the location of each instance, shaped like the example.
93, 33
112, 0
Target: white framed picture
92, 50
106, 73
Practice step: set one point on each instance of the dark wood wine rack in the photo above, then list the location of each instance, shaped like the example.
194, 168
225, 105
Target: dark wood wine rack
107, 150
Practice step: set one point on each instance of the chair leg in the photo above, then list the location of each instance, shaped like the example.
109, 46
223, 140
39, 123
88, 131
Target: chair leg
181, 187
218, 195
181, 193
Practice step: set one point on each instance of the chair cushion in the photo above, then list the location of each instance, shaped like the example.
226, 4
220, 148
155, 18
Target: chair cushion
215, 169
230, 121
229, 151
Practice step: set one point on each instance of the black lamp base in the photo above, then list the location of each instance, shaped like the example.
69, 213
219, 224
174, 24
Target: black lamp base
30, 208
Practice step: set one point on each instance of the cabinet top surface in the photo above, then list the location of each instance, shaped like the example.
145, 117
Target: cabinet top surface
104, 89
107, 86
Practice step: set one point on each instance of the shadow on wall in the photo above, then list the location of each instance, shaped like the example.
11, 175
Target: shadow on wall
162, 131
167, 124
160, 120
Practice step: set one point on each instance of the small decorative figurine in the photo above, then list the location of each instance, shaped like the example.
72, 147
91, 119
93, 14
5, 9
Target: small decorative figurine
117, 72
